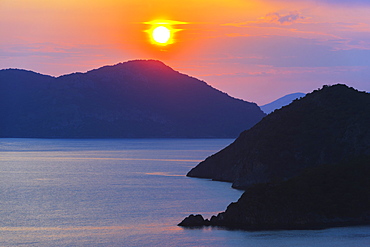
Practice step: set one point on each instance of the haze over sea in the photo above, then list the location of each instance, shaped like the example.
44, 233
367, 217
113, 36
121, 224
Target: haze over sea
125, 193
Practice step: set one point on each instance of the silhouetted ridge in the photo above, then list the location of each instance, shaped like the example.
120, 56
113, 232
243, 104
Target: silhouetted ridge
142, 98
327, 126
304, 166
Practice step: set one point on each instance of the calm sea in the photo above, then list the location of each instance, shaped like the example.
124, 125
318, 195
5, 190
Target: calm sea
125, 193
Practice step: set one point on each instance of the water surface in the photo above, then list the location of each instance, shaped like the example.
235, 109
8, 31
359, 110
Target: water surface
125, 193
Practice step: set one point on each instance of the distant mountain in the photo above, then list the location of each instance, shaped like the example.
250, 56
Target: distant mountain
283, 101
135, 99
324, 127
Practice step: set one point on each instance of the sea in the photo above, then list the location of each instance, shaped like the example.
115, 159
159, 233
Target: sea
126, 192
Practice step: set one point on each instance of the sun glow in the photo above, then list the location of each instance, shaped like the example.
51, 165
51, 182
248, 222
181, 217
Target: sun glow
162, 32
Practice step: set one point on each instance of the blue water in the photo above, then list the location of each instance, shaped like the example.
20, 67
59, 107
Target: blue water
125, 193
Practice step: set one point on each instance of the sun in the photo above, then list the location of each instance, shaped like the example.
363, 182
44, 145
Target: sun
161, 34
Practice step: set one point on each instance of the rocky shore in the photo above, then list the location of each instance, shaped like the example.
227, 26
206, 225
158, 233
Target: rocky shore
322, 197
304, 166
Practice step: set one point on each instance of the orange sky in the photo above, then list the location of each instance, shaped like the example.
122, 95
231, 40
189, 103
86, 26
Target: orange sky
256, 50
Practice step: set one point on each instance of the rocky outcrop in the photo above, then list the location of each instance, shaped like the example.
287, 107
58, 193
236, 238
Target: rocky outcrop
135, 99
321, 197
327, 126
194, 221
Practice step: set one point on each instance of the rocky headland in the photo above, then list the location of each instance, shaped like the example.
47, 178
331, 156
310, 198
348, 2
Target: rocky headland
321, 197
326, 126
305, 166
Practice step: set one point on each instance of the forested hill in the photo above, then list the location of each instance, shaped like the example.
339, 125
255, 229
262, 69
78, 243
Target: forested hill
326, 126
135, 99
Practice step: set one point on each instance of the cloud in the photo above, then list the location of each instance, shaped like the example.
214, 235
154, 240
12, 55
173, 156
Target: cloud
57, 58
347, 2
56, 50
272, 18
241, 74
340, 34
290, 18
285, 51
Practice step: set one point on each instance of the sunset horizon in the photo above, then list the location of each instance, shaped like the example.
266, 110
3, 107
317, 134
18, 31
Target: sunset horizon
223, 123
254, 50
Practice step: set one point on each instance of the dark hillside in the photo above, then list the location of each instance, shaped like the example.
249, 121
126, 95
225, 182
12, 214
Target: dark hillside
136, 99
324, 196
327, 126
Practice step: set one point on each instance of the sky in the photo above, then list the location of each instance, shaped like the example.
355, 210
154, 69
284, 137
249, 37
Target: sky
256, 50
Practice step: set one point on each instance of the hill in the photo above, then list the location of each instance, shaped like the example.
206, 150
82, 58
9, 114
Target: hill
283, 101
327, 126
305, 166
135, 99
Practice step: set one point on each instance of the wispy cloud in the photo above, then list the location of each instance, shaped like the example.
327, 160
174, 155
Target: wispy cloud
347, 2
287, 19
272, 18
58, 58
52, 49
38, 49
240, 74
339, 35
